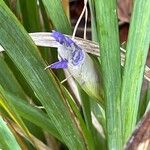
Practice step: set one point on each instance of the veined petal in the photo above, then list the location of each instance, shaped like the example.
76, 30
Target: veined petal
63, 40
59, 64
77, 56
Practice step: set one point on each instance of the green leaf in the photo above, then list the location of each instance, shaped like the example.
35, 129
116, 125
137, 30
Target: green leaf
86, 103
93, 20
57, 15
8, 81
148, 107
7, 139
30, 15
47, 23
107, 29
10, 109
137, 49
84, 129
23, 52
33, 115
99, 113
144, 102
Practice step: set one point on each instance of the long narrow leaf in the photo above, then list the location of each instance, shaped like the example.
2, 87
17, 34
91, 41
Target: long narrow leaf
10, 109
57, 15
30, 15
24, 54
33, 115
7, 139
107, 29
87, 134
137, 49
93, 20
8, 81
97, 139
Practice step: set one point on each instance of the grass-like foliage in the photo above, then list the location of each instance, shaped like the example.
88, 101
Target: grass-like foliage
99, 104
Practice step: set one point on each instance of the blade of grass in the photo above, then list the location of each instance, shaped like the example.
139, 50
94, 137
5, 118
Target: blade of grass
57, 15
85, 103
7, 2
46, 22
29, 62
10, 109
97, 139
144, 102
137, 49
7, 139
8, 81
46, 26
107, 28
30, 15
32, 21
147, 108
33, 115
99, 113
14, 6
19, 77
93, 21
87, 134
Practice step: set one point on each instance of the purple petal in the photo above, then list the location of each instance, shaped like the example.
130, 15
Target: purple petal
77, 56
69, 41
59, 64
58, 37
64, 40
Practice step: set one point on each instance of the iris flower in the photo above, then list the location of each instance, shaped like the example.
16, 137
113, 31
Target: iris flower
79, 64
69, 53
